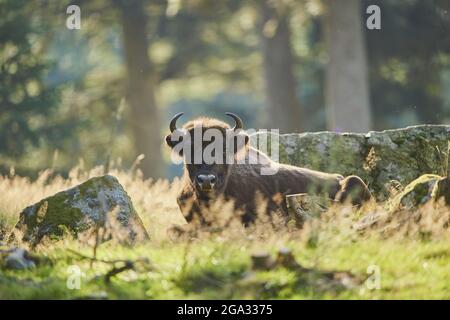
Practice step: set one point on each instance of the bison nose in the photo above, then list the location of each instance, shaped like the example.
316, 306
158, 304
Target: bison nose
206, 181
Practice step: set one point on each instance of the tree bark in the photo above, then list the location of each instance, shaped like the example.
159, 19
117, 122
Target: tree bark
280, 84
347, 84
144, 116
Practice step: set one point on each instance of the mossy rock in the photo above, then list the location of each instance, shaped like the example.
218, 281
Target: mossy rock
422, 190
377, 157
98, 202
441, 190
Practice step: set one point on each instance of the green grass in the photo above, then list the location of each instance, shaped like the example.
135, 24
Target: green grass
222, 270
218, 266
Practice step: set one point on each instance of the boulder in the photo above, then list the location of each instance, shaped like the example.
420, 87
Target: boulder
423, 189
377, 157
98, 202
18, 259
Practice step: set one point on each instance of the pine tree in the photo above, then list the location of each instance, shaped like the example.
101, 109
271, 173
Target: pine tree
25, 101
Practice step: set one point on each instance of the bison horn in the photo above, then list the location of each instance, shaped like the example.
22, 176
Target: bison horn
173, 122
239, 124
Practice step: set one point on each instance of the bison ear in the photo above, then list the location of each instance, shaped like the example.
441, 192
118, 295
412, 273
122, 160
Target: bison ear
171, 142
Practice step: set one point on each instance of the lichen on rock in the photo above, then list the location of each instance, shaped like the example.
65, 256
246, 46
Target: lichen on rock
98, 202
428, 187
377, 157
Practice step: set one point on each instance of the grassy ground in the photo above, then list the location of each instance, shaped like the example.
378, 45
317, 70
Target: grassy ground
402, 257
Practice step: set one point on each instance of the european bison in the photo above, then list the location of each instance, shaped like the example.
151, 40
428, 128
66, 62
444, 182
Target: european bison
240, 181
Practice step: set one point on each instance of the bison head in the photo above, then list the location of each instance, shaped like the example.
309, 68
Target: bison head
209, 147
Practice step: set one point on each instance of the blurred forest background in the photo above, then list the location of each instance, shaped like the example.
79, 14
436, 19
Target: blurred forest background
107, 91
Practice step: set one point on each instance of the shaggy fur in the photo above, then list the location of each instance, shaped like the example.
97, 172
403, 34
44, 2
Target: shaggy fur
241, 183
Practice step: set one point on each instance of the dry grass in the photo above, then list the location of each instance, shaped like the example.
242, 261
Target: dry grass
155, 201
342, 238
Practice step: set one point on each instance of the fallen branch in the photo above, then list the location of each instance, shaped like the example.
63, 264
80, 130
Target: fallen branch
95, 259
115, 271
127, 264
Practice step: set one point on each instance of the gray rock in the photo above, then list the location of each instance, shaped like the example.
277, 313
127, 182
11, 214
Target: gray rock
427, 188
377, 157
98, 202
19, 259
423, 189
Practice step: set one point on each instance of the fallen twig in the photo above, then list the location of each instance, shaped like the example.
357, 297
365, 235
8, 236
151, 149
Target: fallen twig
127, 264
95, 259
115, 271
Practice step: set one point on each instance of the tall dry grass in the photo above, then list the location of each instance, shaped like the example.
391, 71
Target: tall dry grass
155, 202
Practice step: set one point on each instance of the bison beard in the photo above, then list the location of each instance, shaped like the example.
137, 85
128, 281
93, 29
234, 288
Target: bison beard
241, 183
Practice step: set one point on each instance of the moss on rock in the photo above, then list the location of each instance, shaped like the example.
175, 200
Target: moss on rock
441, 190
428, 187
88, 205
377, 157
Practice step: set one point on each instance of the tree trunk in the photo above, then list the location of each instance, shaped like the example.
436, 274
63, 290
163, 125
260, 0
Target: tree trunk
144, 115
280, 84
347, 84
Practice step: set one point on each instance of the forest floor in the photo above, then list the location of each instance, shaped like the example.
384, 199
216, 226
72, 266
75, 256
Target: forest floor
401, 257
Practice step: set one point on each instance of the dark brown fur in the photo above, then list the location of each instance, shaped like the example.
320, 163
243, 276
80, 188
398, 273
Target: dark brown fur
242, 182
